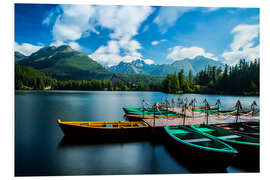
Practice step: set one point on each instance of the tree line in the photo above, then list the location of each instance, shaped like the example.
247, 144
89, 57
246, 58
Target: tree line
242, 78
29, 78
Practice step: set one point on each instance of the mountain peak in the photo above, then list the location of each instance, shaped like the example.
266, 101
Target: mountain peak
64, 48
64, 63
140, 67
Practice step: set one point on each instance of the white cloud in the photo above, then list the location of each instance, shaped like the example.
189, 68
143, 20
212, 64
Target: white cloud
243, 45
167, 16
78, 21
244, 35
149, 61
26, 48
123, 20
111, 54
210, 9
180, 53
155, 43
249, 54
57, 43
74, 45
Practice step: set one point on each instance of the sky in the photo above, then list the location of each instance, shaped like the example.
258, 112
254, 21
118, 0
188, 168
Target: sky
157, 35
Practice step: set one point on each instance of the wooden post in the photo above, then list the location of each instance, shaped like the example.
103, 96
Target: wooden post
154, 116
218, 103
167, 110
238, 107
178, 100
207, 105
193, 106
143, 107
206, 110
253, 107
173, 104
184, 122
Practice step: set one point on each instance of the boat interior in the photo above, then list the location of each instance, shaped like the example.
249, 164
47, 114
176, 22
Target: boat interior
108, 124
195, 138
226, 135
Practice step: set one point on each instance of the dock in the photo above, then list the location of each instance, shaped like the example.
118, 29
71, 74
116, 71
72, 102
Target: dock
193, 118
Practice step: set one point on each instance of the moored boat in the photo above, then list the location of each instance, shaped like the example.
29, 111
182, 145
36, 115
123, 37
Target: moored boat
137, 109
104, 129
248, 147
149, 116
240, 128
195, 145
148, 111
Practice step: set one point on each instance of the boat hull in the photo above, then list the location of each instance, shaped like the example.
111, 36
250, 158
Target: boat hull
240, 128
201, 156
248, 152
104, 133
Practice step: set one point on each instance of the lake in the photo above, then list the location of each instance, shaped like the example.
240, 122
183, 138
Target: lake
40, 148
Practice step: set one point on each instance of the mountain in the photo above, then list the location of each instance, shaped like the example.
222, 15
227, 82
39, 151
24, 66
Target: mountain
140, 67
64, 63
19, 56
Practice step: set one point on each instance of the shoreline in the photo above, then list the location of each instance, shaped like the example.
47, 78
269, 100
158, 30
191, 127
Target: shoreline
223, 94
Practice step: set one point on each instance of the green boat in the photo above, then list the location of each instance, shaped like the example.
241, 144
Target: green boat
216, 111
195, 145
139, 113
129, 110
248, 147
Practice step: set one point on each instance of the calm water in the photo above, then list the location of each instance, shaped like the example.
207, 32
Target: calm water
40, 148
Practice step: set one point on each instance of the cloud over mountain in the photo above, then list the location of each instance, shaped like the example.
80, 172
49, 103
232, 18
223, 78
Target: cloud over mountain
244, 44
26, 48
180, 53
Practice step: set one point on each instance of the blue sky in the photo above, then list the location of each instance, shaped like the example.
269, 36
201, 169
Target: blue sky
160, 35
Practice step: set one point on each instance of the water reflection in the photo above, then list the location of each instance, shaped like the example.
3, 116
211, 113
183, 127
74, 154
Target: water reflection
40, 148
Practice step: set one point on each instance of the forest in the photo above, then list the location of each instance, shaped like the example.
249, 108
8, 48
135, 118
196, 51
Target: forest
240, 79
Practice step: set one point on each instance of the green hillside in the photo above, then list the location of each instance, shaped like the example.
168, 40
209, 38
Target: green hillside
64, 63
30, 78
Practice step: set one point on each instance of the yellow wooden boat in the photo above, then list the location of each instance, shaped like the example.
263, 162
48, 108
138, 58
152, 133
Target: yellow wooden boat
104, 129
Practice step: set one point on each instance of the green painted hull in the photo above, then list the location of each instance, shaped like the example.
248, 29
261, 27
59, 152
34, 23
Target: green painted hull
248, 147
197, 146
139, 111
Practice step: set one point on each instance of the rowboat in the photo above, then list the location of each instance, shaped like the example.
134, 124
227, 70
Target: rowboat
195, 145
202, 107
217, 111
104, 129
136, 109
148, 111
140, 117
241, 128
252, 124
248, 147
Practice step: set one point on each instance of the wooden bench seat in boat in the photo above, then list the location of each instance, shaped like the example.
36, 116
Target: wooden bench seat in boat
229, 137
109, 125
198, 140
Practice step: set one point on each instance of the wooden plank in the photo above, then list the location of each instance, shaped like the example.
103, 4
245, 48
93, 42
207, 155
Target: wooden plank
229, 137
198, 140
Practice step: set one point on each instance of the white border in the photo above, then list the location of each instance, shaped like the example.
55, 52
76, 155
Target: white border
7, 87
202, 3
